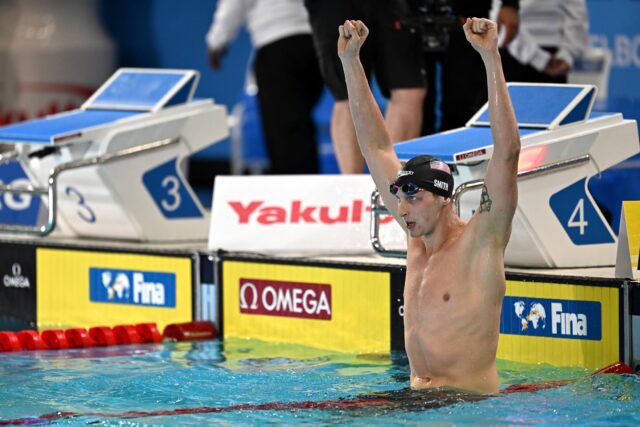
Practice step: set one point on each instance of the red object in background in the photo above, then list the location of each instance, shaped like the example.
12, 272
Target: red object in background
149, 332
102, 336
614, 368
9, 341
78, 338
30, 340
200, 330
55, 339
126, 334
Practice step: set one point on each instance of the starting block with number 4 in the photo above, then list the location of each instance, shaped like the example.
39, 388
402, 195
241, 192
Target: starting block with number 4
558, 222
115, 168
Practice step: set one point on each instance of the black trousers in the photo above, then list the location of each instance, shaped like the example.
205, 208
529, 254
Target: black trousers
462, 87
289, 86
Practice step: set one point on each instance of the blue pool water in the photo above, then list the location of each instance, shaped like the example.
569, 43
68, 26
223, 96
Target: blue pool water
170, 377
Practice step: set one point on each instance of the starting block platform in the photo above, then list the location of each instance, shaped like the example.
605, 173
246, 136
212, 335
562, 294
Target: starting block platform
115, 168
558, 222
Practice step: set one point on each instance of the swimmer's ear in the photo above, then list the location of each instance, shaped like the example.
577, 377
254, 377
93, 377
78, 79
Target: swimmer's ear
446, 201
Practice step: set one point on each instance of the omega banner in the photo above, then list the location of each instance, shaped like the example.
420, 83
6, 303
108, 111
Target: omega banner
340, 309
297, 213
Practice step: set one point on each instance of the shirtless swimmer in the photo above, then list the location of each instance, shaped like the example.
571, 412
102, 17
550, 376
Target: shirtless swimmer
455, 280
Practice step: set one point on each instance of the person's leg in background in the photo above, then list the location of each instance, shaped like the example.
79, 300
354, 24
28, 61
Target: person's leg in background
325, 17
404, 113
289, 85
345, 142
399, 69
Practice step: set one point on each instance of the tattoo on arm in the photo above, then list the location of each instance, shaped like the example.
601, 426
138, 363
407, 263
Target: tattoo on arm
485, 200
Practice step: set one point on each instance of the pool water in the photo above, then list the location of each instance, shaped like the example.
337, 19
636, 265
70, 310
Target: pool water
102, 386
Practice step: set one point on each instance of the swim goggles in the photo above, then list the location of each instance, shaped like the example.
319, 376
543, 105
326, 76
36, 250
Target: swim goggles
410, 189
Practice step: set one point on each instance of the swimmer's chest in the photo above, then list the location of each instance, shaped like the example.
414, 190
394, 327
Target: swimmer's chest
437, 285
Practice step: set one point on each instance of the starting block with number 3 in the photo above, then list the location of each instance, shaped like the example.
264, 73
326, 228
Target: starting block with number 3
115, 168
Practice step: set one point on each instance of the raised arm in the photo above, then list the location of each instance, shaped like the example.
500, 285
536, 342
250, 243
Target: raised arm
500, 192
373, 138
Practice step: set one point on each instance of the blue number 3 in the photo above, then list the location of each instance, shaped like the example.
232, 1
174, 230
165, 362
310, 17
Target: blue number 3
84, 211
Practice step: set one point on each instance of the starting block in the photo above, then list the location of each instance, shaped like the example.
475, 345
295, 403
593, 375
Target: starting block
115, 168
557, 223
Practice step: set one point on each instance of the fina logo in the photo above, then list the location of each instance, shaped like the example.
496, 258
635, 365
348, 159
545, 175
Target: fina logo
568, 319
536, 316
119, 287
132, 287
16, 280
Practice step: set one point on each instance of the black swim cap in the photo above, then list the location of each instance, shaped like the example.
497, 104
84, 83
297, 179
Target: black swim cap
427, 172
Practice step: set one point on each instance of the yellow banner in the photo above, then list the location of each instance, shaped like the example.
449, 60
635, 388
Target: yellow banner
88, 288
631, 211
345, 310
560, 324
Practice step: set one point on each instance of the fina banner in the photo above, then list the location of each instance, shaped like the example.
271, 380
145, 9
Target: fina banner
106, 288
297, 213
561, 324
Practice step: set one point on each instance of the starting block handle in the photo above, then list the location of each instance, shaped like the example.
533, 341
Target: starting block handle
522, 175
8, 156
23, 229
47, 228
377, 209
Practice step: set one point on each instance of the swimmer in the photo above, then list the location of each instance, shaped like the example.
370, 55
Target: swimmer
455, 280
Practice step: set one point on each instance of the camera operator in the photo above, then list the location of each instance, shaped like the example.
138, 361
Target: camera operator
462, 84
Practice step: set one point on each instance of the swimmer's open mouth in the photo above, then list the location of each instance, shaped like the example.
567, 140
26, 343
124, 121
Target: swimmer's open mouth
410, 224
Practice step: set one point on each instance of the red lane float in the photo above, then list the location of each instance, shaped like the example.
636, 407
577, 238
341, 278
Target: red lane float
9, 341
79, 338
30, 340
190, 331
126, 334
102, 336
614, 368
149, 332
55, 339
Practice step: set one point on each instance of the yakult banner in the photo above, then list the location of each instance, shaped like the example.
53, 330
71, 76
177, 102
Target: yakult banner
297, 213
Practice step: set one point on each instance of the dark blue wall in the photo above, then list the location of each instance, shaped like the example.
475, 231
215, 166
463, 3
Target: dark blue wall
170, 34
